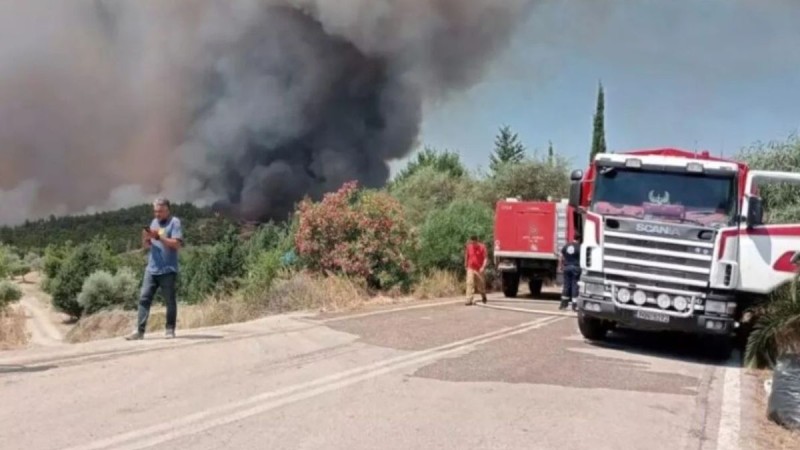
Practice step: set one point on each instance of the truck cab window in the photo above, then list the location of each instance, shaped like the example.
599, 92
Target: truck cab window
681, 197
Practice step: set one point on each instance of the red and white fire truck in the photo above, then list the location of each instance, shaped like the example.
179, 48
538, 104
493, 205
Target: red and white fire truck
528, 236
675, 240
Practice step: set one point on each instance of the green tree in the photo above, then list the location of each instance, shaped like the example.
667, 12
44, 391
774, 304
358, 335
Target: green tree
54, 256
210, 269
507, 149
599, 134
781, 200
440, 160
429, 190
81, 262
531, 179
445, 233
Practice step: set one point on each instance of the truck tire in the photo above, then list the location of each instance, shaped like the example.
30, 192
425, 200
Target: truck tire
510, 284
536, 287
591, 328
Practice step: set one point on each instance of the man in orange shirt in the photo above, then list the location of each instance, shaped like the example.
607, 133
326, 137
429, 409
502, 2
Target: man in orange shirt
475, 263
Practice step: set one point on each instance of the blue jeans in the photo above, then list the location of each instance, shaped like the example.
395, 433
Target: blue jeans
150, 284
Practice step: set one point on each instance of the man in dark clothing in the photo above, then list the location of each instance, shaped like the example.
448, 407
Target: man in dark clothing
571, 267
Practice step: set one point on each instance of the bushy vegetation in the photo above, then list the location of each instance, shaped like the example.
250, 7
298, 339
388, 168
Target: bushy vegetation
777, 327
103, 290
119, 228
9, 293
74, 269
356, 234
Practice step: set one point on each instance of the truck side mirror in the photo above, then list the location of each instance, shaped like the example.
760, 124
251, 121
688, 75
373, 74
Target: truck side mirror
575, 188
755, 211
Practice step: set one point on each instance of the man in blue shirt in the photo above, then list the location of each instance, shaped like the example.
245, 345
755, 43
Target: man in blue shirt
571, 266
163, 238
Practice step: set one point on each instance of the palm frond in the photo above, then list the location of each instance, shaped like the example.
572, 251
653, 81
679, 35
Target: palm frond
777, 330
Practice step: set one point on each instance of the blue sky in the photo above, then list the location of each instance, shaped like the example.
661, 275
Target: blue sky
708, 74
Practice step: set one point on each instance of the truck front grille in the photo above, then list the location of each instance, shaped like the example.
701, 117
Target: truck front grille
674, 265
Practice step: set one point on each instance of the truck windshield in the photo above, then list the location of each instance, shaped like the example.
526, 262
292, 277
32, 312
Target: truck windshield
681, 197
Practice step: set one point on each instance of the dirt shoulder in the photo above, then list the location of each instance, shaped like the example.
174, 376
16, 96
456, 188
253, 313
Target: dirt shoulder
760, 433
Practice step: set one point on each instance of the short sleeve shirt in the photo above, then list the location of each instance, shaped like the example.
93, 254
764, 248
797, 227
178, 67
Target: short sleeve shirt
476, 255
162, 259
572, 255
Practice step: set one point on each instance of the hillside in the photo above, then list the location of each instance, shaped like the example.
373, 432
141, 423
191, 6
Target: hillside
121, 228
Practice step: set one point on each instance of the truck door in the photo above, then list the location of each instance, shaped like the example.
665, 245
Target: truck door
769, 243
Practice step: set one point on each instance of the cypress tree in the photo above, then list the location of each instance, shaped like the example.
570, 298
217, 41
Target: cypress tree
599, 135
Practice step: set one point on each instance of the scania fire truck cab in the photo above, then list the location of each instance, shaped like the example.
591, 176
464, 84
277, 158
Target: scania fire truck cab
675, 241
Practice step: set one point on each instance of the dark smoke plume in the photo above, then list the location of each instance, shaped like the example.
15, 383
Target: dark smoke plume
249, 105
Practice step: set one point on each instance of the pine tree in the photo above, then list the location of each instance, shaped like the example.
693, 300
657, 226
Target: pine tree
599, 135
507, 149
551, 154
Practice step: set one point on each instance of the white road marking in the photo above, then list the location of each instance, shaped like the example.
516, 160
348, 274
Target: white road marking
386, 311
731, 409
532, 311
235, 411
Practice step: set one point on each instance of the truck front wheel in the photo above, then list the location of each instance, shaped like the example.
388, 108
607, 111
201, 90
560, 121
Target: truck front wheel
591, 328
535, 286
510, 284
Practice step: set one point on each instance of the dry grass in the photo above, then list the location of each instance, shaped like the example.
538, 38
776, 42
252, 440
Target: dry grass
767, 434
438, 284
13, 331
105, 324
299, 292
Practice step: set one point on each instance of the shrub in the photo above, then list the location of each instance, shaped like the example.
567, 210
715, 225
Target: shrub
357, 234
101, 290
261, 274
9, 293
777, 328
444, 235
81, 262
214, 269
531, 179
54, 256
429, 190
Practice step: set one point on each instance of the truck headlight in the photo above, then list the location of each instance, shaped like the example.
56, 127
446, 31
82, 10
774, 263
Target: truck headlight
624, 295
663, 301
640, 298
680, 303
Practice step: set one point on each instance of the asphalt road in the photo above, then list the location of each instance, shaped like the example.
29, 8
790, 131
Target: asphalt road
435, 376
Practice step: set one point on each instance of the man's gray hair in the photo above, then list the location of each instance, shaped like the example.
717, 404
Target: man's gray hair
160, 201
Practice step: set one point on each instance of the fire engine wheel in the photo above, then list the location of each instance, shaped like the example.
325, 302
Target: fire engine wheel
591, 328
535, 287
510, 284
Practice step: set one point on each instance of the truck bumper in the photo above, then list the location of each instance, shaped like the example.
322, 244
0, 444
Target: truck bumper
695, 324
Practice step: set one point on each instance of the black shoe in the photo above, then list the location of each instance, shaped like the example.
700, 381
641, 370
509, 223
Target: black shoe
483, 298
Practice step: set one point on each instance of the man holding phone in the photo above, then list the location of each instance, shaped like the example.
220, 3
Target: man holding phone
163, 238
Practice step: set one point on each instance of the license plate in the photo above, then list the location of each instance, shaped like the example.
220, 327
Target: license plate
652, 316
